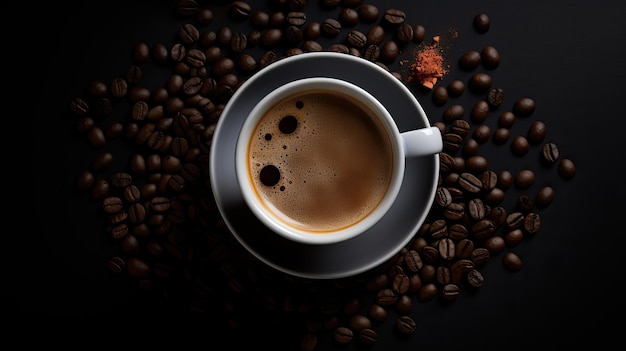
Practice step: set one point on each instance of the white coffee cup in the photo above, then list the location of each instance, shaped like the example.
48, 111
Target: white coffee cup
320, 160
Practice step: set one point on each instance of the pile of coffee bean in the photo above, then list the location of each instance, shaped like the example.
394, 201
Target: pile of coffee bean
159, 209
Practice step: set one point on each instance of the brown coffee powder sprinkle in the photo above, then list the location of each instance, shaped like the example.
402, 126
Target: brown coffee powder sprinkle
429, 64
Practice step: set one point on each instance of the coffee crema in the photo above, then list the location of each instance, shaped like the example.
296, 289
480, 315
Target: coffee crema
320, 161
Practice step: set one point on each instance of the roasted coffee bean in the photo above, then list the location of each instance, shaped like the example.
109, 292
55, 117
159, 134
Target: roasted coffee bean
483, 229
550, 153
331, 27
494, 245
475, 279
121, 179
481, 23
240, 10
494, 197
438, 229
453, 112
512, 261
271, 38
188, 34
368, 13
464, 248
506, 119
501, 135
348, 17
477, 164
446, 249
102, 161
419, 33
311, 45
116, 264
440, 95
404, 33
457, 232
495, 97
296, 18
238, 42
513, 237
459, 269
357, 38
112, 204
368, 336
537, 132
429, 255
470, 147
308, 342
520, 145
394, 17
428, 292
375, 35
498, 215
470, 182
413, 261
514, 220
489, 180
505, 179
456, 87
455, 211
343, 335
386, 297
479, 256
389, 51
452, 142
544, 196
480, 82
443, 197
532, 223
337, 47
371, 52
470, 60
480, 111
400, 283
524, 107
524, 178
476, 209
490, 57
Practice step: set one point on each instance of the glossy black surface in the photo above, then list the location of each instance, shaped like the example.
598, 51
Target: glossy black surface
568, 55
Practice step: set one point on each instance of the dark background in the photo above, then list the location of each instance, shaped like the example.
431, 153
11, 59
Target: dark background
568, 55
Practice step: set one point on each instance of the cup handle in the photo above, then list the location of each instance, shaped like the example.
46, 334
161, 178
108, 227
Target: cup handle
422, 142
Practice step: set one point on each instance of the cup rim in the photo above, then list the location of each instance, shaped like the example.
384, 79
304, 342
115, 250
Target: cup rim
326, 237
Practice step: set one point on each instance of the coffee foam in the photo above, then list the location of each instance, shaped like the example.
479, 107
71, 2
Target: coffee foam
335, 167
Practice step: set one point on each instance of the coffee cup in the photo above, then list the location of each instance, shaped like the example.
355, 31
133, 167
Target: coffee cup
320, 160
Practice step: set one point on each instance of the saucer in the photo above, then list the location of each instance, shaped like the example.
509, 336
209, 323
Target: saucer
325, 261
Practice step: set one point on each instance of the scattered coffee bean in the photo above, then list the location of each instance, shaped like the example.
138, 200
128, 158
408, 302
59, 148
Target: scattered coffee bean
482, 23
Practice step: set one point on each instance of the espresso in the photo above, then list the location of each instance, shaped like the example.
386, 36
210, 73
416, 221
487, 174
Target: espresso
320, 161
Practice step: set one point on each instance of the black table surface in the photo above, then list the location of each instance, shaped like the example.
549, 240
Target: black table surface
567, 55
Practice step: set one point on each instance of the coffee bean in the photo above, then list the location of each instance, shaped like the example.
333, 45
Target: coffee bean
544, 196
514, 220
480, 111
394, 17
188, 34
440, 95
490, 57
368, 13
495, 97
343, 335
506, 119
550, 153
520, 145
453, 112
331, 27
470, 60
483, 229
406, 325
524, 107
470, 182
481, 23
501, 135
525, 178
375, 35
513, 237
116, 264
480, 82
567, 168
537, 132
512, 261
